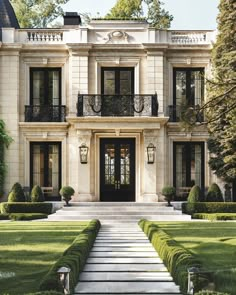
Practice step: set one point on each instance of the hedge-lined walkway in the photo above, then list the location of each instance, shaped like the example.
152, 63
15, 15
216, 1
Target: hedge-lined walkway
123, 261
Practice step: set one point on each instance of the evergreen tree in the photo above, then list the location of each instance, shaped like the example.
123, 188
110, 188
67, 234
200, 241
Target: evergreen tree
37, 13
221, 105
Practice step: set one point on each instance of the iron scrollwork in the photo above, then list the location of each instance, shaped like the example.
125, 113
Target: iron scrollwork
117, 105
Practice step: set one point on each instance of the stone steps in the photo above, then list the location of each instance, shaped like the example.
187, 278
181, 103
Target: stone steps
127, 212
123, 261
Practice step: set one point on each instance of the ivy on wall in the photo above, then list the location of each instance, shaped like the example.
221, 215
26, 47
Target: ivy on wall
5, 141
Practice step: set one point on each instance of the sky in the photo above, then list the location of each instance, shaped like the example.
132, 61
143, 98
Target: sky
188, 14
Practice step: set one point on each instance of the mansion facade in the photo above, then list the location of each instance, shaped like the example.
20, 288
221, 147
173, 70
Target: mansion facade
97, 107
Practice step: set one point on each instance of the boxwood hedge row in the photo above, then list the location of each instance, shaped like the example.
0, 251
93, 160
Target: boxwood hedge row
215, 216
208, 207
176, 258
22, 207
74, 258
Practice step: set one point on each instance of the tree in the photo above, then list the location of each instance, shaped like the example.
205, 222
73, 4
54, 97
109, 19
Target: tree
220, 108
126, 9
156, 15
221, 105
37, 13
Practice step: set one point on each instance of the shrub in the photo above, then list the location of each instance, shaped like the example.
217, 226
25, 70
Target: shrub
27, 216
210, 293
46, 293
66, 192
37, 194
215, 216
195, 195
7, 208
208, 207
16, 194
176, 258
74, 258
169, 193
214, 194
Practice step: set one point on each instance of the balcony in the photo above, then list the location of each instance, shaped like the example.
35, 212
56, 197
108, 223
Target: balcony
45, 113
117, 105
175, 113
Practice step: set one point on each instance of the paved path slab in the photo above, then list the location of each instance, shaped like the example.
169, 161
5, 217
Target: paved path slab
123, 261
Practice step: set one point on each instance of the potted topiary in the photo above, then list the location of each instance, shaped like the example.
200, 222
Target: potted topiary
66, 192
168, 192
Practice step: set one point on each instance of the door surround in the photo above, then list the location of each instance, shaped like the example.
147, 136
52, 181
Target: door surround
138, 160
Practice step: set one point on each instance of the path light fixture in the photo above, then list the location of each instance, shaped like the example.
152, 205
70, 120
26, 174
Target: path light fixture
192, 273
64, 278
83, 151
151, 153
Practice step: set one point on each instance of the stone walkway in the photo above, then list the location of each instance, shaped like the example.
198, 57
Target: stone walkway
123, 261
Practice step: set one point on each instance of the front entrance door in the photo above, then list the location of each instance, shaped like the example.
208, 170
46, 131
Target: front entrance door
117, 170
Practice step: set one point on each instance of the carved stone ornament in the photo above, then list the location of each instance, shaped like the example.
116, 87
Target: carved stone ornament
117, 37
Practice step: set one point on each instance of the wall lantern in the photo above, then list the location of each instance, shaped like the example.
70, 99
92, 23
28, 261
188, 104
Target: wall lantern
63, 273
83, 151
151, 153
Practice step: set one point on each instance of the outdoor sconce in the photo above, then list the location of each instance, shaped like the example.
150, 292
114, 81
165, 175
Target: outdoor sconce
151, 153
83, 151
64, 278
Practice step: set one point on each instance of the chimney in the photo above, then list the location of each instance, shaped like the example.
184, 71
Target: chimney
72, 19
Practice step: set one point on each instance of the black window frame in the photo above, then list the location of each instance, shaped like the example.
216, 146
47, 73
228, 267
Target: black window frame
188, 83
117, 71
46, 147
46, 84
188, 162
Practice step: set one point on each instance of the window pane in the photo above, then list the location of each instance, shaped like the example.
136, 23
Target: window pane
38, 87
109, 164
125, 164
180, 87
180, 166
197, 87
109, 82
196, 164
125, 82
53, 168
53, 85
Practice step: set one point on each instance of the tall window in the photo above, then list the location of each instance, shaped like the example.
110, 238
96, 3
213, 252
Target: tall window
45, 164
45, 86
188, 164
188, 89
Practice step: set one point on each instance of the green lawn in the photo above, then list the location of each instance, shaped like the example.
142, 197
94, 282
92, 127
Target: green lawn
214, 243
28, 249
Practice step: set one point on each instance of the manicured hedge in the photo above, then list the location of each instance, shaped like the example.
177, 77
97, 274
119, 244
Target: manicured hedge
176, 258
46, 293
215, 216
210, 293
4, 216
45, 208
74, 258
27, 216
208, 207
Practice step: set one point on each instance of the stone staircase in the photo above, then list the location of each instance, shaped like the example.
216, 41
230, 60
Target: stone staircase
108, 212
123, 261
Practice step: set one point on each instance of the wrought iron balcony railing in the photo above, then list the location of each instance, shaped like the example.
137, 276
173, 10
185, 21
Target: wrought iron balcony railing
117, 105
191, 113
45, 113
